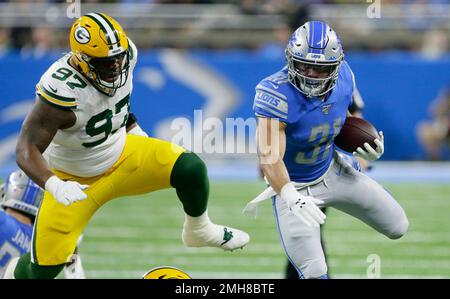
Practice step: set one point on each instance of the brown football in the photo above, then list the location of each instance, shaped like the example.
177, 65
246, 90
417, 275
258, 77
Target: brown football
354, 133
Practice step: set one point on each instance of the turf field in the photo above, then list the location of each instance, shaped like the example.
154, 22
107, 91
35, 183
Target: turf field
129, 236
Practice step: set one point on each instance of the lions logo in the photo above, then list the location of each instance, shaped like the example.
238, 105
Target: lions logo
82, 35
166, 273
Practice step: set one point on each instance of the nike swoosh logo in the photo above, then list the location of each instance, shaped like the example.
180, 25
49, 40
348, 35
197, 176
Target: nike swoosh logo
274, 85
54, 90
224, 242
228, 235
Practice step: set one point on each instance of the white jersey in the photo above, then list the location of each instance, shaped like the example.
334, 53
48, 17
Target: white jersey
95, 142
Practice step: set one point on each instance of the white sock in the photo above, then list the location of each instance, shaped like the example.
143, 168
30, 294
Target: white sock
200, 231
197, 222
74, 270
9, 271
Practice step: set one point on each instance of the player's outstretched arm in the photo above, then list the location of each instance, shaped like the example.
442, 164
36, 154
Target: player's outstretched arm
271, 142
38, 130
271, 139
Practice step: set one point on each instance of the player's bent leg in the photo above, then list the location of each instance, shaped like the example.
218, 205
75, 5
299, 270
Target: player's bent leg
368, 201
190, 179
25, 269
379, 209
150, 164
55, 234
301, 243
291, 271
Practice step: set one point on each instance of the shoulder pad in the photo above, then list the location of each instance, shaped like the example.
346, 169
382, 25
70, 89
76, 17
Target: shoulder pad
52, 87
270, 101
278, 79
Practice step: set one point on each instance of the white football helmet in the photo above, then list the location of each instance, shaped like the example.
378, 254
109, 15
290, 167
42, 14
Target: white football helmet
20, 193
314, 55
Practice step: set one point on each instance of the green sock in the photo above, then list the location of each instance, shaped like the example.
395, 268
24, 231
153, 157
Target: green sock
25, 269
190, 179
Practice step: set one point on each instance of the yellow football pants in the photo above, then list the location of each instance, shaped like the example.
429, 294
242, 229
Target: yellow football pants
144, 166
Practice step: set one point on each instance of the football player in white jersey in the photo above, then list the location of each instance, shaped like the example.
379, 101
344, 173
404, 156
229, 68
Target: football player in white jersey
79, 119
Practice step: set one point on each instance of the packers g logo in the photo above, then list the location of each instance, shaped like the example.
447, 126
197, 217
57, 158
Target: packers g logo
82, 35
166, 273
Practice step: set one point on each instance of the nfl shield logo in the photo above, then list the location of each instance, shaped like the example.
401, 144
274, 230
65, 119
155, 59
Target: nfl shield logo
326, 108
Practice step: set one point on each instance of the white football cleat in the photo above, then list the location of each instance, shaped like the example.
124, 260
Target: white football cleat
213, 235
74, 269
9, 271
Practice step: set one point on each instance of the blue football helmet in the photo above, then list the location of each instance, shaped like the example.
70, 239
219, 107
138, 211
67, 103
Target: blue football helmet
20, 193
314, 55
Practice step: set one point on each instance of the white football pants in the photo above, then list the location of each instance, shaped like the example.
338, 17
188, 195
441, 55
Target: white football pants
349, 191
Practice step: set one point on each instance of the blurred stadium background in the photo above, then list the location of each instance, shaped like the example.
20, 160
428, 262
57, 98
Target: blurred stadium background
209, 55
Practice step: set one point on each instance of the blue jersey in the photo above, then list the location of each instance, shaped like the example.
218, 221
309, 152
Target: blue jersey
15, 239
311, 123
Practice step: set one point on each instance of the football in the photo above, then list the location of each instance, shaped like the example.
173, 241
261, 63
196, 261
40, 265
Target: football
354, 133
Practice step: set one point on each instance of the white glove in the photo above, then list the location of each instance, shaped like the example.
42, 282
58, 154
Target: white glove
371, 154
137, 131
304, 207
65, 192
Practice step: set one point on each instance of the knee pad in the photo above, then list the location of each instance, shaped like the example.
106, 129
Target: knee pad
189, 170
400, 230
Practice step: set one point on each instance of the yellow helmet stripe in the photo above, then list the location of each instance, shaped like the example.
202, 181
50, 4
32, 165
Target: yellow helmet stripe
107, 30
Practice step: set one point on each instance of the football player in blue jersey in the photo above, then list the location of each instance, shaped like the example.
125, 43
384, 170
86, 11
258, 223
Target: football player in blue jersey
20, 201
300, 110
355, 109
